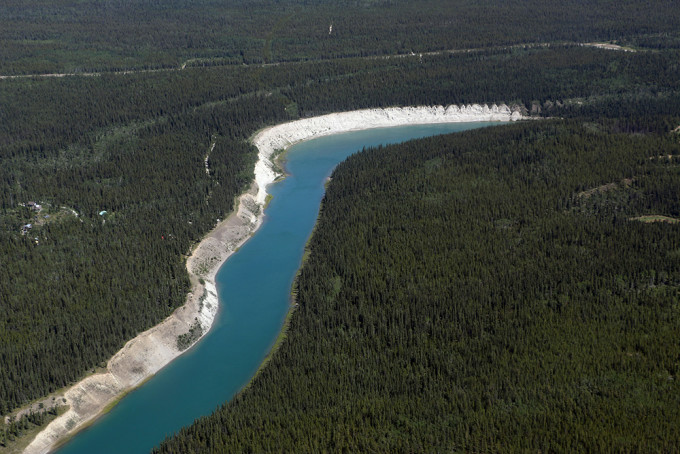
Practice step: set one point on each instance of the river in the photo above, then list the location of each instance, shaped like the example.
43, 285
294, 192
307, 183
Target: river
254, 293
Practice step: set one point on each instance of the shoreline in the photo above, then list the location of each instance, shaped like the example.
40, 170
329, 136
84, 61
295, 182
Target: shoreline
153, 349
284, 135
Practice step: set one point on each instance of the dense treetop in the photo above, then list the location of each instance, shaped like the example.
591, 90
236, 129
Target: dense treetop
134, 146
77, 284
485, 291
38, 36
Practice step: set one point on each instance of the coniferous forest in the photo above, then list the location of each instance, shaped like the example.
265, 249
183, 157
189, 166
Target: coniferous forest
485, 291
76, 36
502, 289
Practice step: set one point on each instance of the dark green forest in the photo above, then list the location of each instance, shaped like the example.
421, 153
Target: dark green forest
48, 36
116, 162
486, 291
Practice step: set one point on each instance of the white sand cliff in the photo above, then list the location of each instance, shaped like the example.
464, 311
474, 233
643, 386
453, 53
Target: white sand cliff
284, 135
151, 350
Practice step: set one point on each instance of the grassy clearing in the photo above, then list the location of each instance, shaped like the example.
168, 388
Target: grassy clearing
655, 218
268, 200
278, 160
625, 183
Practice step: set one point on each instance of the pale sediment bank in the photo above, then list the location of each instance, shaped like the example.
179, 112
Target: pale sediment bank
151, 350
284, 135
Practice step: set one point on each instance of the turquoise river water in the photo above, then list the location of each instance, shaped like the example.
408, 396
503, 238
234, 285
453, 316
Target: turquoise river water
254, 292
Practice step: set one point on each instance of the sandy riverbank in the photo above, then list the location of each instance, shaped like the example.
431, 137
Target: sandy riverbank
284, 135
151, 350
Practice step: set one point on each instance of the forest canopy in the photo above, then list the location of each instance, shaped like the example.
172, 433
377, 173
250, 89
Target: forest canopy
38, 36
103, 190
487, 291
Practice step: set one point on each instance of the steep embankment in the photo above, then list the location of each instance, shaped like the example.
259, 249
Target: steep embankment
284, 135
151, 350
146, 354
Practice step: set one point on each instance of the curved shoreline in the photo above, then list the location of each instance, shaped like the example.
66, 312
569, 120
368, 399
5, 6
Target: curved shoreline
284, 135
151, 350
